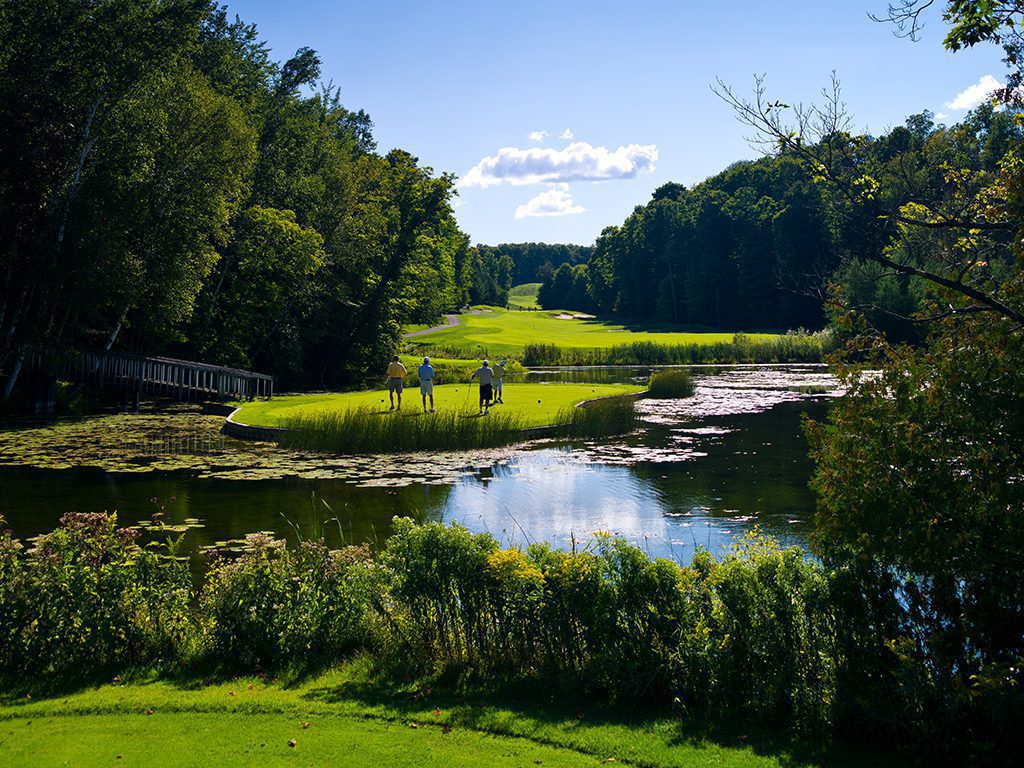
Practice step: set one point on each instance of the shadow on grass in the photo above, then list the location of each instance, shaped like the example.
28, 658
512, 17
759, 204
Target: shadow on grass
557, 712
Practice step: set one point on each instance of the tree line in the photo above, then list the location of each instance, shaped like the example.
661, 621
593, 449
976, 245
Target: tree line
759, 244
167, 188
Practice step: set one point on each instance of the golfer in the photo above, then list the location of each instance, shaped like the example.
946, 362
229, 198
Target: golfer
426, 374
485, 374
396, 374
499, 375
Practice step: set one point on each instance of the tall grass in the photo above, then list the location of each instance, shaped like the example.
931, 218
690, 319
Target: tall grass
759, 635
793, 347
670, 384
366, 431
600, 418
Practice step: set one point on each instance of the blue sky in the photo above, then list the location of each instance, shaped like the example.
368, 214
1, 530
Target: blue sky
615, 95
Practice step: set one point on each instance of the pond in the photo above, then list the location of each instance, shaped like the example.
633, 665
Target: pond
700, 472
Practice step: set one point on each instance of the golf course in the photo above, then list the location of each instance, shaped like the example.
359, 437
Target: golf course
533, 405
499, 331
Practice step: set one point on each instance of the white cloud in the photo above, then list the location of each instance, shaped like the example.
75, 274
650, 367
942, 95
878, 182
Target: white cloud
538, 135
973, 95
577, 162
566, 134
941, 115
553, 202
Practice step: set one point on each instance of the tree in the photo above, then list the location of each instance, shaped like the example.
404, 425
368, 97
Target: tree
921, 511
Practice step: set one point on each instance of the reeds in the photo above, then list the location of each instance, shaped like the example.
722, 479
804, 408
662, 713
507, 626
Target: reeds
366, 431
600, 418
793, 347
670, 384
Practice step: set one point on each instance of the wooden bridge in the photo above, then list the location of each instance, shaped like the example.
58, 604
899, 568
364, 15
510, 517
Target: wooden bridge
163, 376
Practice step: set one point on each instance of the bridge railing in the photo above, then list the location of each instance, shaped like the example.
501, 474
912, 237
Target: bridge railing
181, 379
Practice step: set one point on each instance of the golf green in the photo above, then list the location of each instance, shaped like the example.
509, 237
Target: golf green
536, 404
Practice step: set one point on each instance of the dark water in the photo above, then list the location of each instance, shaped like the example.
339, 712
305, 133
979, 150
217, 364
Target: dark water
700, 472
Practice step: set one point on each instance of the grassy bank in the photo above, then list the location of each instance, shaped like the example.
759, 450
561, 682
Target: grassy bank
531, 405
355, 719
601, 650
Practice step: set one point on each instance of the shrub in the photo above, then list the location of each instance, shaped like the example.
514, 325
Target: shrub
273, 607
670, 384
87, 599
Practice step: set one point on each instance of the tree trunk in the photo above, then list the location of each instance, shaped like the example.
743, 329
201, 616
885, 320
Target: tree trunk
87, 144
13, 378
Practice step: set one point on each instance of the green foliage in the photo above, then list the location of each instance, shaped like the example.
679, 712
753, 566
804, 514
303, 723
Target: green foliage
604, 417
86, 599
736, 251
918, 470
273, 607
167, 187
793, 347
751, 635
566, 289
524, 296
670, 384
363, 430
535, 261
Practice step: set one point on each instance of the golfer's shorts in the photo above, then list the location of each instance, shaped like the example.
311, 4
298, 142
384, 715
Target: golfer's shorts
394, 385
427, 387
485, 392
497, 385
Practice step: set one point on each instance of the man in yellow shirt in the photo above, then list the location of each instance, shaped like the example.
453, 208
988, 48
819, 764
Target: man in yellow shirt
396, 374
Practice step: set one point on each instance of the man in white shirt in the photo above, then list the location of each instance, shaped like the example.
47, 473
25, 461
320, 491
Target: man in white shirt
485, 374
426, 374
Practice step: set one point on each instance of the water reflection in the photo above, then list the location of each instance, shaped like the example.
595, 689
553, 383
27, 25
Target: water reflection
701, 471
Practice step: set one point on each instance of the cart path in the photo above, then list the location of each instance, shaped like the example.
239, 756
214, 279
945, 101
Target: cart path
450, 320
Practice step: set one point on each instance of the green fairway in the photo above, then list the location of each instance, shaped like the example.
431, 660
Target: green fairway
536, 404
499, 331
334, 720
524, 296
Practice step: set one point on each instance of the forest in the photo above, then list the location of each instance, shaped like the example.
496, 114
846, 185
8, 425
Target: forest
758, 245
173, 190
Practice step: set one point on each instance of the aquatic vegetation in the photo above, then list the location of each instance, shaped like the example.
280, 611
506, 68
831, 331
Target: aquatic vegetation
361, 430
792, 347
670, 384
600, 418
748, 635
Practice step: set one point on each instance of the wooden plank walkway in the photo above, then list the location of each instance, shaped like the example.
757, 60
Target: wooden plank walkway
163, 376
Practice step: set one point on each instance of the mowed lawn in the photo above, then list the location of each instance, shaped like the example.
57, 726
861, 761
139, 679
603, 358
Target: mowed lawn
524, 295
245, 722
536, 404
506, 332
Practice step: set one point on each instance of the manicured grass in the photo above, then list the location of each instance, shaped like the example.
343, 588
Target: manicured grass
502, 332
524, 296
246, 722
533, 404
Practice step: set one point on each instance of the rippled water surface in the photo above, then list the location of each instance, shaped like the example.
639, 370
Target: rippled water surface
701, 471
